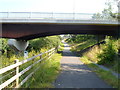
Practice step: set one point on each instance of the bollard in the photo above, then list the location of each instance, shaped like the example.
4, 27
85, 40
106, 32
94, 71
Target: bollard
17, 71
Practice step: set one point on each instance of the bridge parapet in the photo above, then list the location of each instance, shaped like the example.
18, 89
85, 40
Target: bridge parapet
48, 15
45, 15
38, 17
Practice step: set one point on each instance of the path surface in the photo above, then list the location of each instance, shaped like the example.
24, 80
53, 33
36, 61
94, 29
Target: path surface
75, 74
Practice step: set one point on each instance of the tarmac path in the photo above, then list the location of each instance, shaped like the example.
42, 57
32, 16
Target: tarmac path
75, 74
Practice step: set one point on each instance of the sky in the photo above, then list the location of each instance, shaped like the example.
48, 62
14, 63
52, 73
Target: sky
62, 6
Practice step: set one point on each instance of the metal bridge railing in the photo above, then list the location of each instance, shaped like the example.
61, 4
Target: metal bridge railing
53, 17
44, 15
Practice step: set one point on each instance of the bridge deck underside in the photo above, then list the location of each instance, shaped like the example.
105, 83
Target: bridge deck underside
27, 31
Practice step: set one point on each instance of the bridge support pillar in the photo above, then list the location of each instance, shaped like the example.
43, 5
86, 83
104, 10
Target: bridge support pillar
18, 45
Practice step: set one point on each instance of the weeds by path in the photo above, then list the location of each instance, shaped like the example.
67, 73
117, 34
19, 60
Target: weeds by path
46, 74
105, 75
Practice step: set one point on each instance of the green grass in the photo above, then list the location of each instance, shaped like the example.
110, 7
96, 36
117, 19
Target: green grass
83, 45
61, 48
105, 75
116, 65
46, 74
108, 77
92, 55
62, 44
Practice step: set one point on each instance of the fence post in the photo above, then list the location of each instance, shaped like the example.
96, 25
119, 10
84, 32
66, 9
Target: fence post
33, 59
17, 71
48, 53
40, 56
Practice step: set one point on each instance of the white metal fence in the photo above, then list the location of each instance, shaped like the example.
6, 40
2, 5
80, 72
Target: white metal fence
18, 64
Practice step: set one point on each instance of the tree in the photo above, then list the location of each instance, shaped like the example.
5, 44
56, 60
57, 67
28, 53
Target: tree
97, 16
108, 13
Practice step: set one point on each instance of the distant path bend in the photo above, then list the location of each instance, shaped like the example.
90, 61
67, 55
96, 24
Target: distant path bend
75, 74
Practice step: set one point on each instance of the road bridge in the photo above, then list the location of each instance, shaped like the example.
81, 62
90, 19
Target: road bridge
27, 25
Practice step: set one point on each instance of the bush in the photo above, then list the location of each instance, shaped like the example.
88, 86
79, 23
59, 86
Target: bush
46, 42
4, 45
79, 38
108, 53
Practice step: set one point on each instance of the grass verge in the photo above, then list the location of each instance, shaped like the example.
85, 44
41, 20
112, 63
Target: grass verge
105, 75
61, 48
83, 45
46, 74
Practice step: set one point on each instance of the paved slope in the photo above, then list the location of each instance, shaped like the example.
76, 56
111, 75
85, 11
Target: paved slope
75, 74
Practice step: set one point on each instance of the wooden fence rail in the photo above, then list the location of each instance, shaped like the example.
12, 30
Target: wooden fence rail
18, 74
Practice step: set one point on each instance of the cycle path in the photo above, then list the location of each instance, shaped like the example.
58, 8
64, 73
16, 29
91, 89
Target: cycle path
75, 74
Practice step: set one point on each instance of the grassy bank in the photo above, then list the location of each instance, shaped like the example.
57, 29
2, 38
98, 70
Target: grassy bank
61, 48
46, 74
104, 54
83, 45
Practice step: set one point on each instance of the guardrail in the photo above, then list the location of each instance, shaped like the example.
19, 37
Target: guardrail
53, 17
18, 64
44, 15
